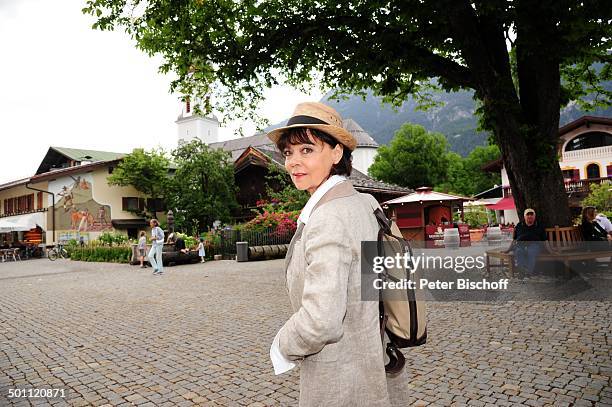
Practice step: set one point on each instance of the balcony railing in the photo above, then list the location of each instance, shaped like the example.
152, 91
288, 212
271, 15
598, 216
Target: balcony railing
572, 187
4, 215
587, 153
584, 185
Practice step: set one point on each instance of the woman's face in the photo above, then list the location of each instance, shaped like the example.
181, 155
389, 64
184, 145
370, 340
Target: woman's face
309, 164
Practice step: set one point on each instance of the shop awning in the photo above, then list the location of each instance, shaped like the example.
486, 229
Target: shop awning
22, 223
503, 204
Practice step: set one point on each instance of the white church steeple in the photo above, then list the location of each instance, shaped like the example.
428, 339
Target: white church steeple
191, 125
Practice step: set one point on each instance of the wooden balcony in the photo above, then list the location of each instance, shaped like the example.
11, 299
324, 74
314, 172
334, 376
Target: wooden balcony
583, 186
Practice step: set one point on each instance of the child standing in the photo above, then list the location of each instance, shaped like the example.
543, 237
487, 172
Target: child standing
201, 252
142, 247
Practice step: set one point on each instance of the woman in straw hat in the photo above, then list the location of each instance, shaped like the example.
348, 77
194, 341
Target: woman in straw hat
332, 331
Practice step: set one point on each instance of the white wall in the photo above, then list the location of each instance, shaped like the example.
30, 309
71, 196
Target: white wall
363, 157
189, 128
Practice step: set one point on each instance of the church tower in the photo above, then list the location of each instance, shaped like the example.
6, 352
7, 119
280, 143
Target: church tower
191, 125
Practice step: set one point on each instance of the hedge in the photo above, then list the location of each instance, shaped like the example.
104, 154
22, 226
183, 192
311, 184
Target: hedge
117, 254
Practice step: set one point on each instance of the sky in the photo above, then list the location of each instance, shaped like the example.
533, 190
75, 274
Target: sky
64, 84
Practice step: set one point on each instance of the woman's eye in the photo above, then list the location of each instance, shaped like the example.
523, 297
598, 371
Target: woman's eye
306, 150
286, 153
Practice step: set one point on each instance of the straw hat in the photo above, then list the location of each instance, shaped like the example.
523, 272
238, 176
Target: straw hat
314, 115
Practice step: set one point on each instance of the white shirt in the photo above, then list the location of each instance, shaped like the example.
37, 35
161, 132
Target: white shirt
280, 363
604, 222
318, 194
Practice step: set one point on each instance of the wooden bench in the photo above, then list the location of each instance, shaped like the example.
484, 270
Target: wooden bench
563, 244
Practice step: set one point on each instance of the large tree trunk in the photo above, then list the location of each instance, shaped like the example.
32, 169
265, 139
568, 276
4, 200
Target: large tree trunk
525, 127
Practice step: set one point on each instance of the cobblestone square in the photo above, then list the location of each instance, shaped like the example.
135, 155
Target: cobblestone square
200, 334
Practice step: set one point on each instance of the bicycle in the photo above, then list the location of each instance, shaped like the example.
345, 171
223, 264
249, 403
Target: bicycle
58, 252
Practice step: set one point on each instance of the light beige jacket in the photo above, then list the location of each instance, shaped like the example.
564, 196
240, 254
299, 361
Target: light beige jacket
333, 332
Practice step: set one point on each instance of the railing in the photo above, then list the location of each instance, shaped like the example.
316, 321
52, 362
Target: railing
229, 237
584, 185
5, 215
572, 187
598, 152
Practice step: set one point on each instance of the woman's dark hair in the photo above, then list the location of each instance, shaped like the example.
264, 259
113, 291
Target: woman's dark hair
299, 135
587, 213
155, 222
143, 233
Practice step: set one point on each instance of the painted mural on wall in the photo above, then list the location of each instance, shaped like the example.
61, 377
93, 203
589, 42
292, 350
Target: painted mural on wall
77, 213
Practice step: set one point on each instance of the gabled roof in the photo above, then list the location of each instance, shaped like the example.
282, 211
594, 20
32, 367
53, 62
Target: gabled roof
57, 157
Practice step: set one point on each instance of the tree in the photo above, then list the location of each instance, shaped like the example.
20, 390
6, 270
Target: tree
202, 189
284, 196
599, 197
414, 158
465, 175
524, 60
146, 171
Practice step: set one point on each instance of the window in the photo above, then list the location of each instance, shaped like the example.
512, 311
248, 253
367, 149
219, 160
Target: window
20, 204
571, 175
591, 139
156, 205
132, 204
593, 171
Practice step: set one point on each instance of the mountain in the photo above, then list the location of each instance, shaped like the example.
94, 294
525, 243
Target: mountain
455, 118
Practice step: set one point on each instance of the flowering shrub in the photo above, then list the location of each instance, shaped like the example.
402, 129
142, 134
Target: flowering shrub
281, 222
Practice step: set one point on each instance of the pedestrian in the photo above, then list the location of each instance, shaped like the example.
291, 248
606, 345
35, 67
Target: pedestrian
142, 248
157, 245
527, 243
592, 231
201, 251
332, 332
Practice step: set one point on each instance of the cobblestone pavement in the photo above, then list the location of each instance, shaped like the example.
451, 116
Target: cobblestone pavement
200, 335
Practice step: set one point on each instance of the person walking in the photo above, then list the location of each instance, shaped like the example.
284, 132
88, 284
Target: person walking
157, 245
201, 251
333, 334
142, 248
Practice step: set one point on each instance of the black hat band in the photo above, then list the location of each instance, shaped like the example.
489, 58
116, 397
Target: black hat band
304, 120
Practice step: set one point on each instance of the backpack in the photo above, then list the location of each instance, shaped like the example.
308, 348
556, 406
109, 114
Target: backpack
403, 319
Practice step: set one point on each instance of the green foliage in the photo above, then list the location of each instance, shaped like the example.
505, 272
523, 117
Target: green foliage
465, 175
146, 171
599, 197
190, 241
475, 217
414, 158
283, 195
121, 254
202, 189
110, 238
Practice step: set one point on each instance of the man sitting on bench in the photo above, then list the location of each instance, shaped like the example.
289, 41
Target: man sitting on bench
526, 233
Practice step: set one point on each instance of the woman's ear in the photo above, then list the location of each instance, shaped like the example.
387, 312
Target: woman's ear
337, 153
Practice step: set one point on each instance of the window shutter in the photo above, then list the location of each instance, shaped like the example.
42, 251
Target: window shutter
609, 170
141, 204
576, 175
124, 204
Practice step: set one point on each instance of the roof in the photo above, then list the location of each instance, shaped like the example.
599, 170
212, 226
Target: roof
14, 183
361, 136
584, 121
69, 170
495, 192
57, 157
238, 145
78, 154
426, 194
